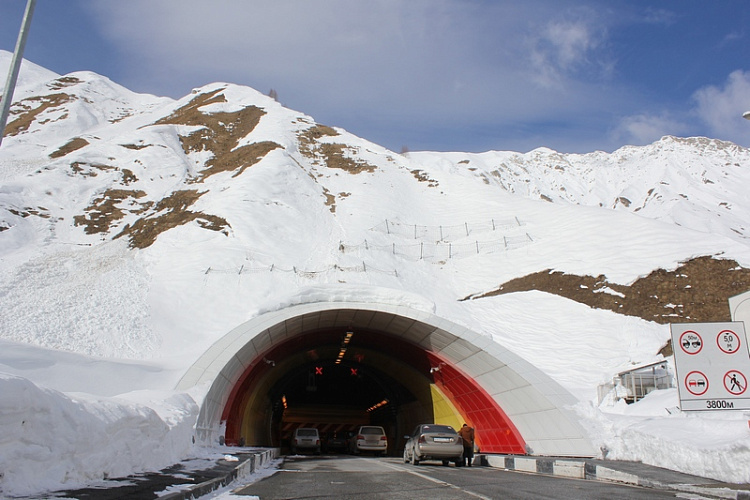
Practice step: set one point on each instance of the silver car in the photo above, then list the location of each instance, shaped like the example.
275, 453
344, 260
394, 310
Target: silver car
434, 442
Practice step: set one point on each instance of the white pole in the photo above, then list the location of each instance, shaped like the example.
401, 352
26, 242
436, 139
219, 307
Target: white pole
15, 66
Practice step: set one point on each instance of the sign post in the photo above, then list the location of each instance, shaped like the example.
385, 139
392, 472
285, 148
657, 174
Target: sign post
712, 362
15, 67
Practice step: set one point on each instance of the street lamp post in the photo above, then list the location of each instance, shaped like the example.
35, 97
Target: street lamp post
15, 66
746, 115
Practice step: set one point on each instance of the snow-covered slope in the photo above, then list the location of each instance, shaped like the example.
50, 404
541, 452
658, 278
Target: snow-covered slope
694, 182
136, 230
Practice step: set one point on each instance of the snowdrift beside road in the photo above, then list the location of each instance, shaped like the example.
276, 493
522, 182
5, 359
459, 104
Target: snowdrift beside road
51, 440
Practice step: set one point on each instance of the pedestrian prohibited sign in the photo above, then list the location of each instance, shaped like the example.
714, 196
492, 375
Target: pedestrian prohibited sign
712, 362
735, 382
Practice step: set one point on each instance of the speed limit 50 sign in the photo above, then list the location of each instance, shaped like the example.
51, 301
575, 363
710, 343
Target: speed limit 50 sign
712, 362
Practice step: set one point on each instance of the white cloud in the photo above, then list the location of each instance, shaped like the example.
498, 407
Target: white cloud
571, 41
384, 69
565, 48
646, 128
430, 57
717, 111
659, 16
721, 108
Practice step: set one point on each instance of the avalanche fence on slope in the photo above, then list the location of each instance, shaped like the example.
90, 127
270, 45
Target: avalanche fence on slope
435, 244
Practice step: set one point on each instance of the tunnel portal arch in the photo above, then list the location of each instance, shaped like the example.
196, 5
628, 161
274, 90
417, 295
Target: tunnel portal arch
515, 407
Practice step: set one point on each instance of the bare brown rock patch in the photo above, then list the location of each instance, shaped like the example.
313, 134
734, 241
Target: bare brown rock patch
72, 145
105, 210
62, 82
26, 111
422, 176
169, 213
332, 155
220, 133
697, 291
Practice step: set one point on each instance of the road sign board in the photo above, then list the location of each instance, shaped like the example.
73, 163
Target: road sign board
712, 362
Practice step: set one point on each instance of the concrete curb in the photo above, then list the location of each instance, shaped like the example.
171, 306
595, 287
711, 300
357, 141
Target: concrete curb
581, 468
256, 461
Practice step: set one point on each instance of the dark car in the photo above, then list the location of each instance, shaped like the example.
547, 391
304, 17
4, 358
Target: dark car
336, 442
434, 442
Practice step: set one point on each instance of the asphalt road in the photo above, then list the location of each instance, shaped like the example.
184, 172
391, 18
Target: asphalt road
365, 478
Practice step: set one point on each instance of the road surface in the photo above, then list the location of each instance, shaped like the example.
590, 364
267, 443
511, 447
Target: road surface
365, 478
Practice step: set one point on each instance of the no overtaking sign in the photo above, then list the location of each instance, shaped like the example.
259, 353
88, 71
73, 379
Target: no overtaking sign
713, 365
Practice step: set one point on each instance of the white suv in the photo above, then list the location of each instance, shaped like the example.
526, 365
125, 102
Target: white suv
369, 438
306, 438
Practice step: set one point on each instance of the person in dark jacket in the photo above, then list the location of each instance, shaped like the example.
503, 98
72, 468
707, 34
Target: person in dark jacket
467, 435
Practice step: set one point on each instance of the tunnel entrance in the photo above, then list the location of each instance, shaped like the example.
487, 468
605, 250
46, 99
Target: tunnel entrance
336, 398
337, 365
336, 379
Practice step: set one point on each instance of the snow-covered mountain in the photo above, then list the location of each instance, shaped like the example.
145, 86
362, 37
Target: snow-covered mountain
137, 230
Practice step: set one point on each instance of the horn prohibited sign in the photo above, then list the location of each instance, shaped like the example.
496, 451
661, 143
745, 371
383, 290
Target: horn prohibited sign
712, 364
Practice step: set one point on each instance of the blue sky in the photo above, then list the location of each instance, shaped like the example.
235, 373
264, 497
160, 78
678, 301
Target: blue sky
444, 75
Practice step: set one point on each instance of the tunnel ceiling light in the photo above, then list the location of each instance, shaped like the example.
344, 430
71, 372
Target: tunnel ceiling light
344, 343
342, 352
379, 405
348, 337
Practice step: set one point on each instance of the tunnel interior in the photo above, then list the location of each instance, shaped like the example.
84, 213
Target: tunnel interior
336, 379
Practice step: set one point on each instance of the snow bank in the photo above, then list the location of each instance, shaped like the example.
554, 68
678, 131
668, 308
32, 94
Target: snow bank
362, 294
50, 440
654, 431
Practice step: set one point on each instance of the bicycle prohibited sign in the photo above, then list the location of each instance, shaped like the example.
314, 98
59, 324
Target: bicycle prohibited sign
712, 365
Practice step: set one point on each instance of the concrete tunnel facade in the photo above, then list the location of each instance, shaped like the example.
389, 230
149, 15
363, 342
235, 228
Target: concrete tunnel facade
430, 369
